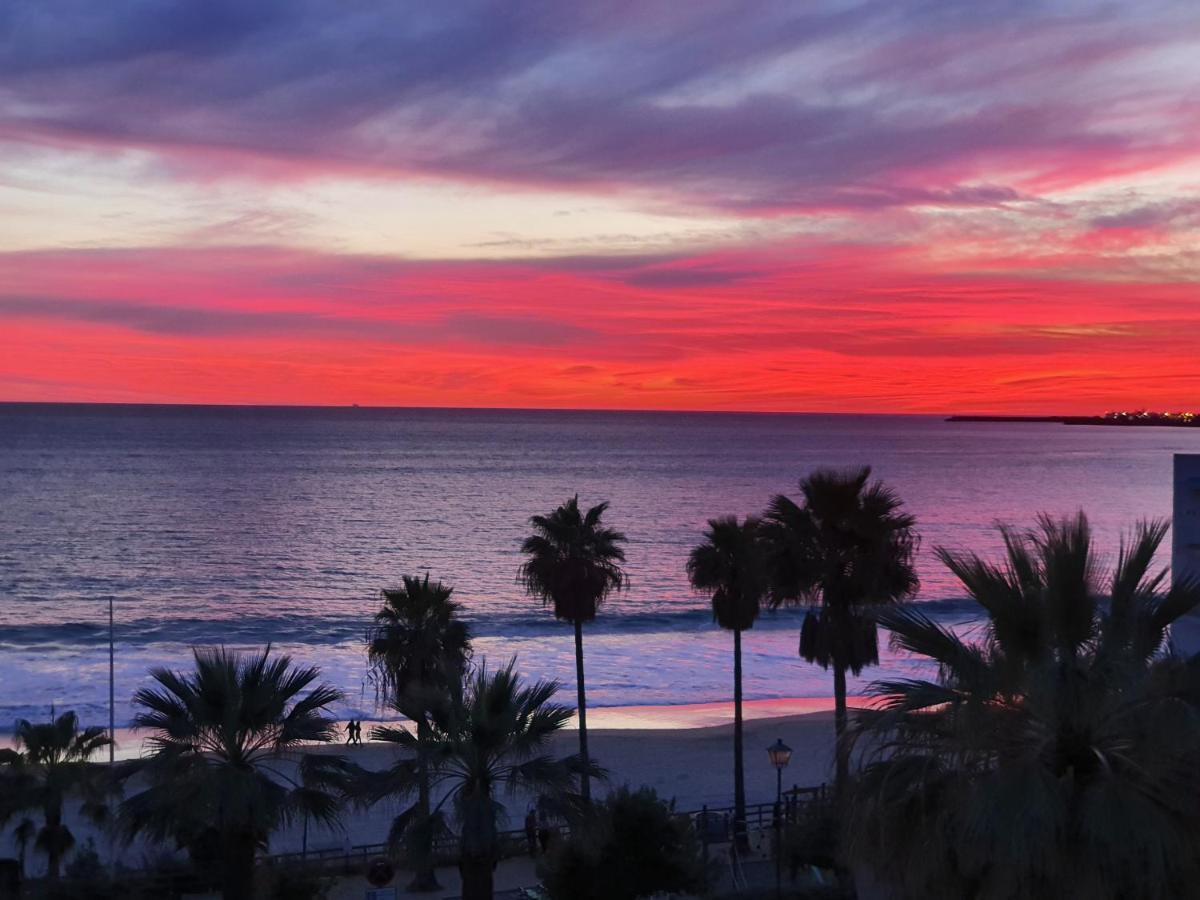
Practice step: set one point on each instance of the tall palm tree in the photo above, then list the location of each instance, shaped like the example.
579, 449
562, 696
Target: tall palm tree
50, 764
491, 739
1055, 754
847, 548
418, 649
573, 562
226, 767
728, 566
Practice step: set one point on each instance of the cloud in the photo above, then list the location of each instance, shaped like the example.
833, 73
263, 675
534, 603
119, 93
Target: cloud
165, 319
832, 327
1172, 214
838, 105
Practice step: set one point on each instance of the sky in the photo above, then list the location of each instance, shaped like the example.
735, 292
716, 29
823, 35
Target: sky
900, 206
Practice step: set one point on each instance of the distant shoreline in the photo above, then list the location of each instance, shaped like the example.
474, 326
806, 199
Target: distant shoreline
1123, 420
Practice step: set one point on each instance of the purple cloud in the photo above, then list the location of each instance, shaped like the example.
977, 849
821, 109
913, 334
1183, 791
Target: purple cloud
762, 109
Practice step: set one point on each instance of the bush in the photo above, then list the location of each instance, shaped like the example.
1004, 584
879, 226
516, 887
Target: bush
633, 846
815, 892
286, 883
85, 864
812, 840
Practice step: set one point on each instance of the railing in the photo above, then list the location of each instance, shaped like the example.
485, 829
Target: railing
714, 824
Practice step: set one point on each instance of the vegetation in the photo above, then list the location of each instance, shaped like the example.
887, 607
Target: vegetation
728, 565
418, 648
50, 764
573, 562
1056, 757
489, 740
632, 846
226, 768
848, 547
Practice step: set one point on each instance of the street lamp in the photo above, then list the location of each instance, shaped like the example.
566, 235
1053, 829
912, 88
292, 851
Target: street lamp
780, 755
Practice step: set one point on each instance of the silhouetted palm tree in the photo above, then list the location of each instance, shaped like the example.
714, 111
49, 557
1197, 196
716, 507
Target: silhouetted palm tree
728, 566
848, 547
573, 562
226, 767
491, 737
418, 649
50, 764
1054, 755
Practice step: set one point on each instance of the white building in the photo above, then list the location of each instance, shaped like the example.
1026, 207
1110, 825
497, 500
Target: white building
1185, 543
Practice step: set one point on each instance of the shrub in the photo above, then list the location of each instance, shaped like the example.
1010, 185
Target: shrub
633, 846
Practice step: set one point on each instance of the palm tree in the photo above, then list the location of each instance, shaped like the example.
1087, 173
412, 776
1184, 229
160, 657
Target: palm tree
728, 565
491, 737
573, 562
848, 547
418, 648
1054, 754
50, 763
225, 768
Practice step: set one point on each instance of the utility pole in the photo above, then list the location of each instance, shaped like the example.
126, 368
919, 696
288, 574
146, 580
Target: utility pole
112, 730
112, 686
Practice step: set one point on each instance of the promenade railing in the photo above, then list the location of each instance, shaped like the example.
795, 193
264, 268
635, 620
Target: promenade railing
714, 825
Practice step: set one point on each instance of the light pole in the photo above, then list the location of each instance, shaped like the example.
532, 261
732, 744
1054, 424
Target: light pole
780, 755
112, 729
112, 686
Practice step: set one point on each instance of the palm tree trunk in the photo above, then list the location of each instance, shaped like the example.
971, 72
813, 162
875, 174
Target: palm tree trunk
54, 853
585, 786
739, 772
424, 877
841, 749
53, 859
477, 876
237, 877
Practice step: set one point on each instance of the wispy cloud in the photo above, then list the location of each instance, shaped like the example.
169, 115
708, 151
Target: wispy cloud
784, 107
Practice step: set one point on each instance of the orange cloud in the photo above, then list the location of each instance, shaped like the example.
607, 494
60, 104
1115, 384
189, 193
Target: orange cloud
822, 328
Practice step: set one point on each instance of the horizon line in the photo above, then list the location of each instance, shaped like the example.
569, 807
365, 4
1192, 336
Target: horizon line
563, 409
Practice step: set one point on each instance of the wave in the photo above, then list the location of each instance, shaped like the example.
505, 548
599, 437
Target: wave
327, 630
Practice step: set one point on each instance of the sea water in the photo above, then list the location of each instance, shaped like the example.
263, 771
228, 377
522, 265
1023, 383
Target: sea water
255, 526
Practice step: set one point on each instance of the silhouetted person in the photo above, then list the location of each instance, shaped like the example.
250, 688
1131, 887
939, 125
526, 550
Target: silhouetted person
544, 832
531, 834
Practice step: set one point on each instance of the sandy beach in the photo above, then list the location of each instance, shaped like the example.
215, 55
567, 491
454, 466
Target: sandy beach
652, 746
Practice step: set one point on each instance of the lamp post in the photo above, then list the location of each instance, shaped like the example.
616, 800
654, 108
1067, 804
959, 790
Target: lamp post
112, 685
780, 755
112, 726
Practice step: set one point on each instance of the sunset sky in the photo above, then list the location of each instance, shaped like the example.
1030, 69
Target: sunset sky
888, 206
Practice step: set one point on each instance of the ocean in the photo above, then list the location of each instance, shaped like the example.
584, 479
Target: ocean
248, 526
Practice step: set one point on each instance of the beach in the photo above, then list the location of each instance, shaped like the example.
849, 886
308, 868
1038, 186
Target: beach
691, 766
